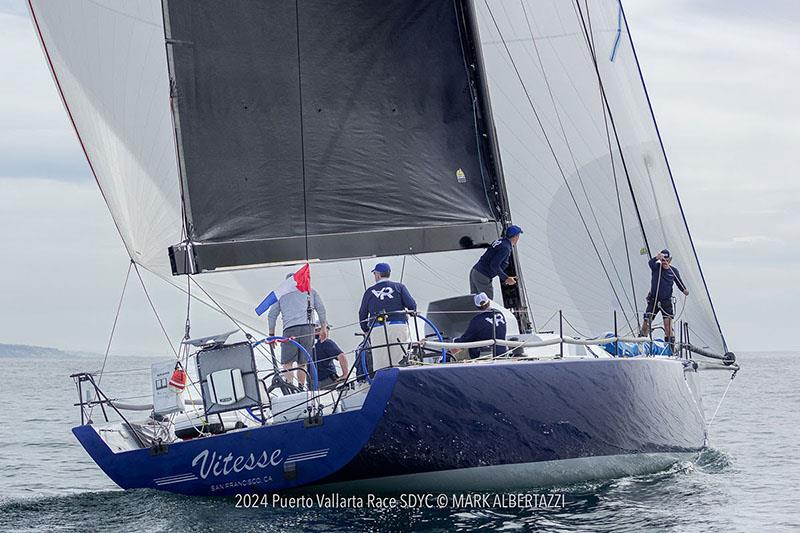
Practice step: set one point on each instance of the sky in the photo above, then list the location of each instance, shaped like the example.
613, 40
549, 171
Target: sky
723, 78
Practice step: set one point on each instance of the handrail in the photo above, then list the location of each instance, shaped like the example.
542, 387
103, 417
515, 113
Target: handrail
533, 344
435, 330
728, 359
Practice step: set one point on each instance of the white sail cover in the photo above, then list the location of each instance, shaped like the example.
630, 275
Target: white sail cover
109, 61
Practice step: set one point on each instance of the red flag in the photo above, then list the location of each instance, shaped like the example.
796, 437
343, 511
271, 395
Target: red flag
302, 279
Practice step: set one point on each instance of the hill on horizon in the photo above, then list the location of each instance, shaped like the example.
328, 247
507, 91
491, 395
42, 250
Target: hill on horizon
28, 350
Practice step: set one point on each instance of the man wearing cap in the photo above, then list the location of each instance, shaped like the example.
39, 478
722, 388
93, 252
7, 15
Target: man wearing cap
297, 309
382, 317
493, 263
488, 324
659, 299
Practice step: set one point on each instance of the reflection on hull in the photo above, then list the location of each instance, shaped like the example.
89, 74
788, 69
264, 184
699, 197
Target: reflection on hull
520, 476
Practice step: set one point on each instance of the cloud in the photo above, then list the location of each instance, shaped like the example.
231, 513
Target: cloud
36, 139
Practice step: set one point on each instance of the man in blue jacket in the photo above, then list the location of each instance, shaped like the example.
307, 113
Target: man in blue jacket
325, 352
659, 299
489, 324
493, 263
383, 318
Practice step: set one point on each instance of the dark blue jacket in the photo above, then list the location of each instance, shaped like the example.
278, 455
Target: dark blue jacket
669, 276
489, 324
324, 355
385, 296
494, 260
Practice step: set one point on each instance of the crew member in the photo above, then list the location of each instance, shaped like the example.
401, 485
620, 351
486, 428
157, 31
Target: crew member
659, 299
382, 316
493, 263
488, 324
325, 351
297, 309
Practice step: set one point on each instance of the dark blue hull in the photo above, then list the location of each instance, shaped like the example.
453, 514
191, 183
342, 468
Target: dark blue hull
447, 419
526, 422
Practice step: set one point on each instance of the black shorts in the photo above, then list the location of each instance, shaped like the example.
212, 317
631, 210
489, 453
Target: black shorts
663, 306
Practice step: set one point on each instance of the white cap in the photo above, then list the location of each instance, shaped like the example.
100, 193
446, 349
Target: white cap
481, 299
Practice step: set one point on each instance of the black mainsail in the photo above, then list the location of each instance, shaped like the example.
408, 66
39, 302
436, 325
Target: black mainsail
328, 130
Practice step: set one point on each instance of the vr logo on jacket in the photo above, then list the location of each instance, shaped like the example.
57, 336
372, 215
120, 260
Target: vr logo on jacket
384, 292
498, 319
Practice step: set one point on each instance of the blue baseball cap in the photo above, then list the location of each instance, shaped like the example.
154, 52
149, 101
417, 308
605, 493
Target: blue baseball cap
666, 253
513, 231
382, 268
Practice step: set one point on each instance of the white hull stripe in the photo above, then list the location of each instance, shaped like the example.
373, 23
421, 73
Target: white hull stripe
167, 478
307, 456
175, 479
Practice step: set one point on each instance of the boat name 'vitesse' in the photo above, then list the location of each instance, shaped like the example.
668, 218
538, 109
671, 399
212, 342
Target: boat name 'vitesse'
217, 465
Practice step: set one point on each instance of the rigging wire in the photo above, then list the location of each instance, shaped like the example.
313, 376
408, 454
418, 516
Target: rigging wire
436, 274
576, 330
188, 325
302, 134
222, 309
114, 325
113, 330
363, 276
574, 161
730, 382
555, 156
153, 307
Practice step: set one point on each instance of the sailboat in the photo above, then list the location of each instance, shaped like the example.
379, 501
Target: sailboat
235, 142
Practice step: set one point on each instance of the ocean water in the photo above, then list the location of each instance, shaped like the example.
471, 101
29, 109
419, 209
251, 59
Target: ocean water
747, 480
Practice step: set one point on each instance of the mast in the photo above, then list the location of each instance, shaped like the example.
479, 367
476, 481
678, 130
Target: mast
514, 296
